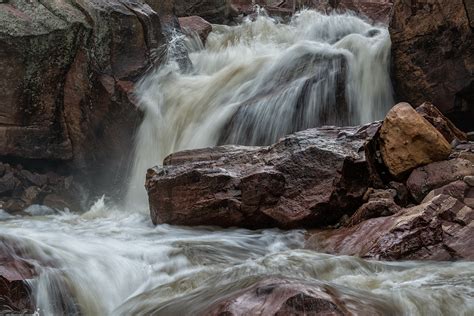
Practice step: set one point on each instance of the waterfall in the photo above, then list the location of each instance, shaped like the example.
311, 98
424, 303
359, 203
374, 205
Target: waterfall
256, 82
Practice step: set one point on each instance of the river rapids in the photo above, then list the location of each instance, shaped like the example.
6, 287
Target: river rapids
250, 84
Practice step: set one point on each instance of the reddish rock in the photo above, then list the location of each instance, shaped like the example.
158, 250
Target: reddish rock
62, 95
380, 203
424, 179
278, 296
407, 141
15, 293
440, 229
433, 57
310, 178
440, 122
196, 25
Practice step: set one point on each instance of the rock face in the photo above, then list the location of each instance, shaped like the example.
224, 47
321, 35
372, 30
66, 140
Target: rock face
308, 179
440, 229
68, 73
433, 57
424, 179
277, 296
407, 141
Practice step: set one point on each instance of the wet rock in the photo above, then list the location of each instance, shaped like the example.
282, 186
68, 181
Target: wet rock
440, 229
15, 293
424, 179
441, 123
8, 183
469, 180
457, 190
65, 66
407, 141
311, 178
433, 57
214, 11
279, 296
380, 203
31, 195
196, 25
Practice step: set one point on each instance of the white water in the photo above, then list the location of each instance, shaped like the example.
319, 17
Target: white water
261, 80
110, 261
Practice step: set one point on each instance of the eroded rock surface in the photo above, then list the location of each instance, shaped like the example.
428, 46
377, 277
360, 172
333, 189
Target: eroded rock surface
440, 229
308, 179
69, 68
433, 57
407, 141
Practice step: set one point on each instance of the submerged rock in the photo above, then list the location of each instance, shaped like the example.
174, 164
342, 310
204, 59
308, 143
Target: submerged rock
309, 179
407, 141
279, 296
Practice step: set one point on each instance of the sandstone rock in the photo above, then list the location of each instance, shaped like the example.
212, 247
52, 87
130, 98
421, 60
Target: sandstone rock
380, 203
195, 25
433, 57
279, 296
407, 141
424, 179
310, 178
440, 229
440, 122
64, 68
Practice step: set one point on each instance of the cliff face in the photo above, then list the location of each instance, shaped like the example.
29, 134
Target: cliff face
433, 57
68, 71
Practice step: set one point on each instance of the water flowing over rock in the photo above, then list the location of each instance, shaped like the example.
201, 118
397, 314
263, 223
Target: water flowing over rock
433, 57
195, 25
309, 179
261, 80
408, 141
68, 71
277, 296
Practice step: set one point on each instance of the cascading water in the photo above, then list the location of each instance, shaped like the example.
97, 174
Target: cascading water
261, 80
251, 84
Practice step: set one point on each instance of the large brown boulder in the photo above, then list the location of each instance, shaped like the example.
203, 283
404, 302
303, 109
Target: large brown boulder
407, 141
310, 178
440, 229
433, 57
68, 71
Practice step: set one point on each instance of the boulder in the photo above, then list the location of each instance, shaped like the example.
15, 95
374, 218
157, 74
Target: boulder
311, 178
424, 179
460, 190
441, 122
440, 229
379, 203
195, 25
407, 141
433, 57
280, 296
66, 90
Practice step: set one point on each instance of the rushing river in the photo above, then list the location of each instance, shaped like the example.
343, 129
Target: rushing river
251, 84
